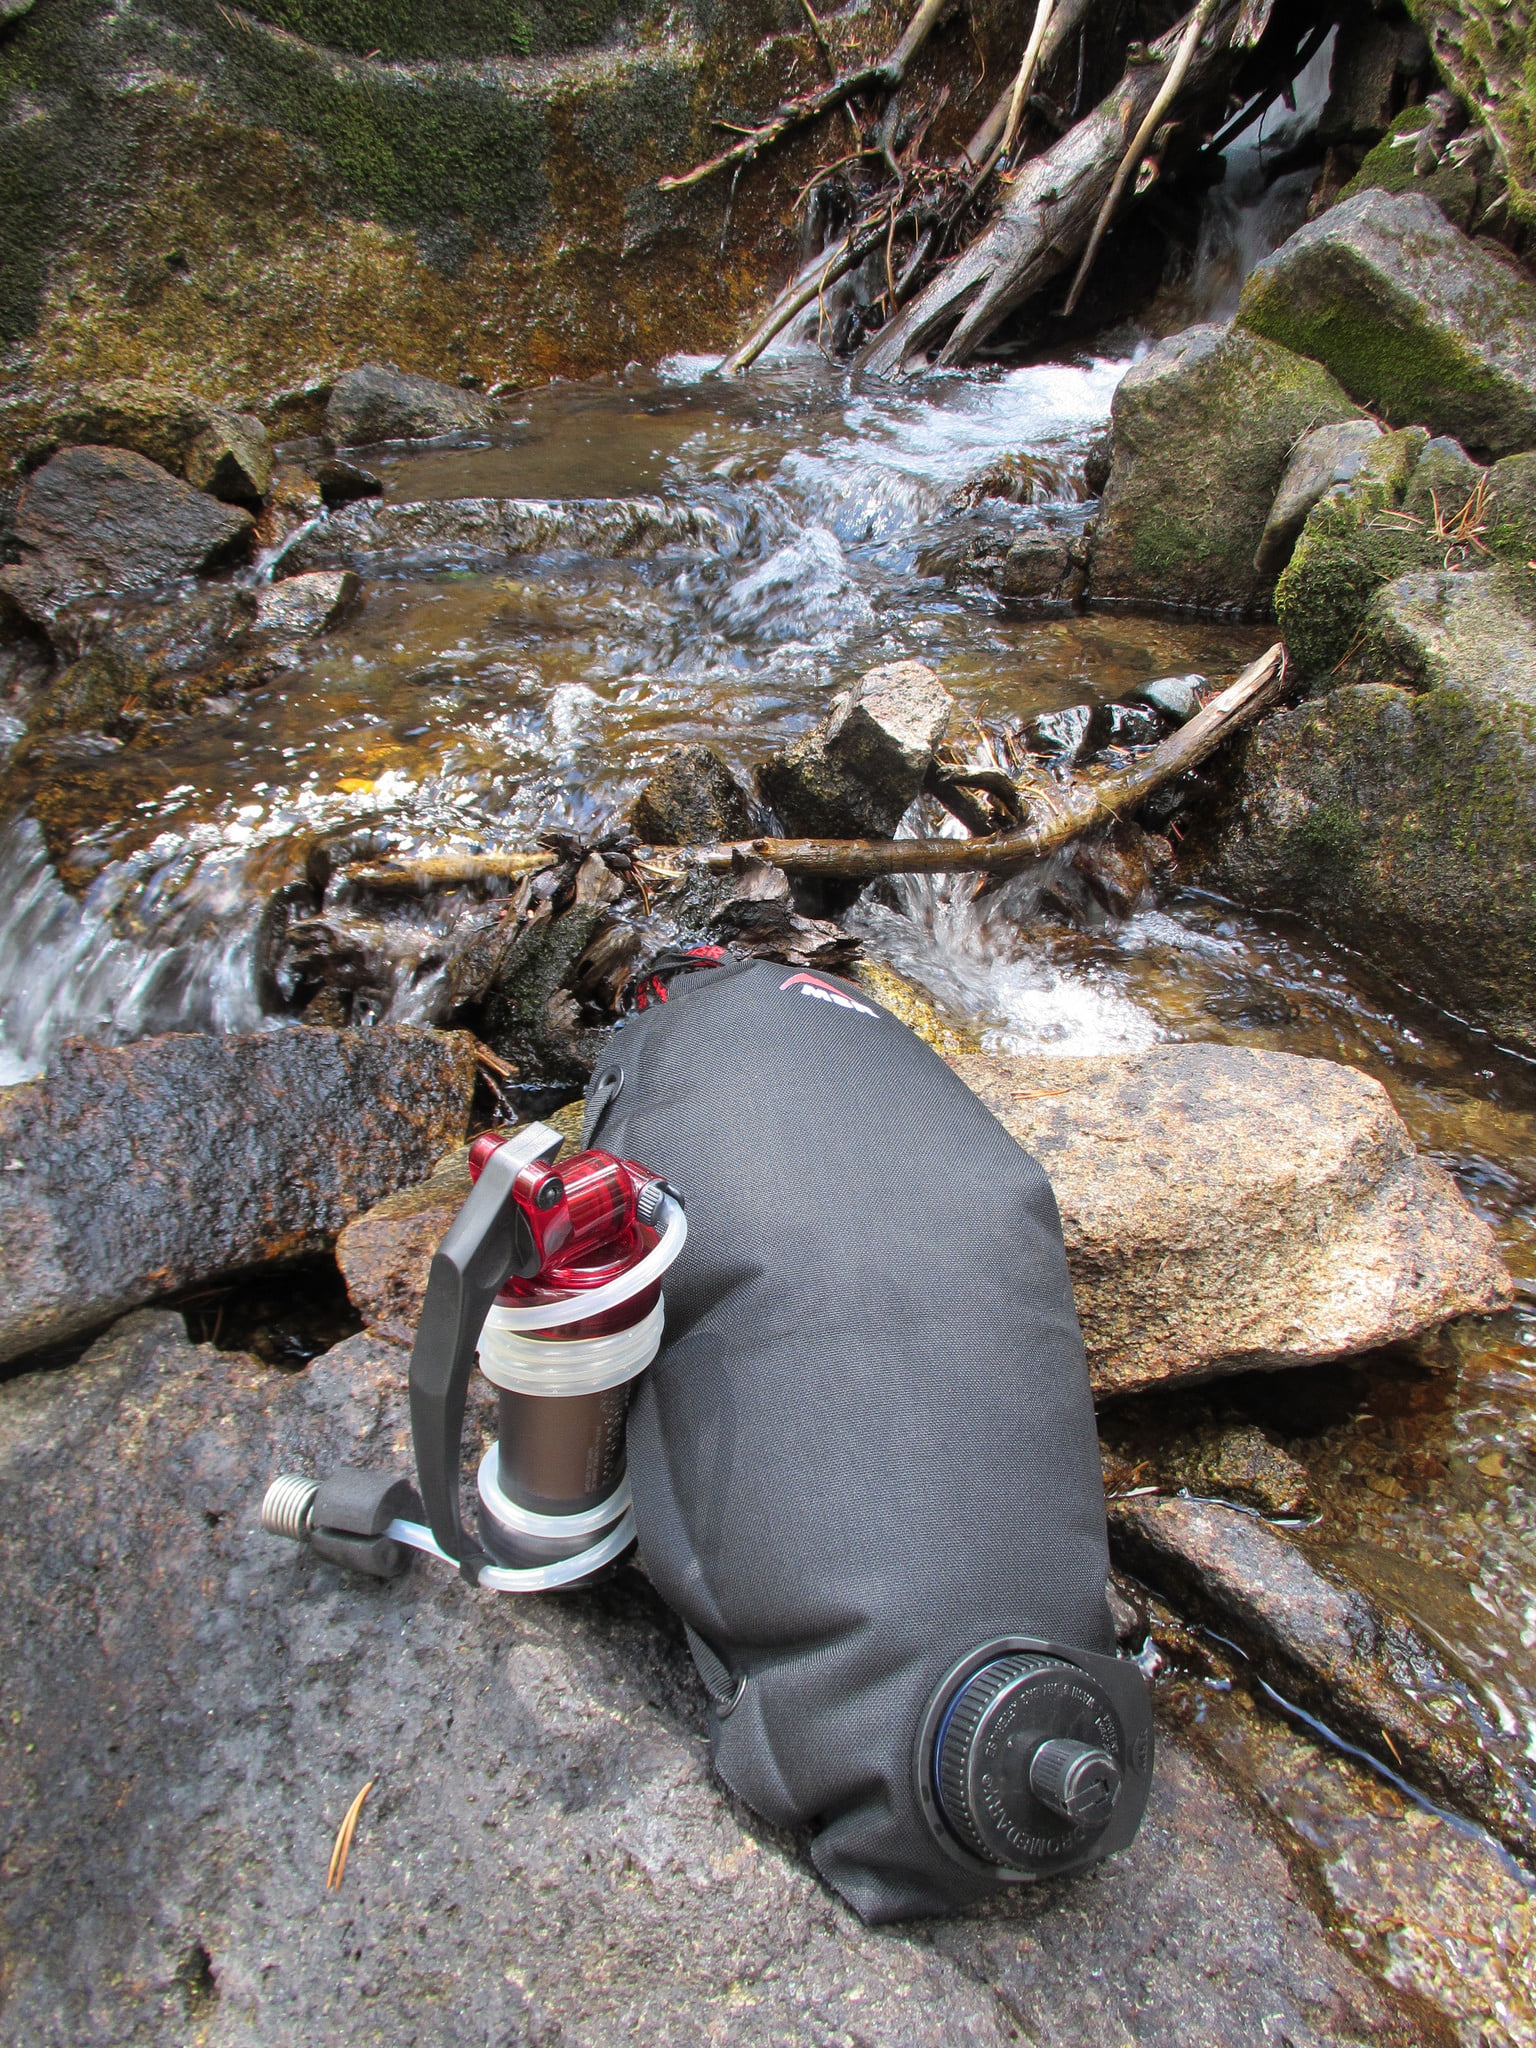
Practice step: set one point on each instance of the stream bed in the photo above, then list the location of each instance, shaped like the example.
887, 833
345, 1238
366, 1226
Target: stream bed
462, 706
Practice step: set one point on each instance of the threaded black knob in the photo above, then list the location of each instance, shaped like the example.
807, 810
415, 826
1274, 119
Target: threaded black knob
1076, 1780
1028, 1762
649, 1201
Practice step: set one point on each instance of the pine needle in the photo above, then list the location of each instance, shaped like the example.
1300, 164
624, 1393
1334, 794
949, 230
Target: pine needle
344, 1834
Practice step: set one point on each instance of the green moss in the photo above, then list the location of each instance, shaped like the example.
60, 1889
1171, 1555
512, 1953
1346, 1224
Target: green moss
1404, 826
1354, 541
1386, 367
1389, 168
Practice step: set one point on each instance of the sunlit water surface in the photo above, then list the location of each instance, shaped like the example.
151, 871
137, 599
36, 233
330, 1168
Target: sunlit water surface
468, 709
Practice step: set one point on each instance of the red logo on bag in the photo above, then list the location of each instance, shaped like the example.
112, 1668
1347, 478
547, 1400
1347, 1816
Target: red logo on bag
824, 992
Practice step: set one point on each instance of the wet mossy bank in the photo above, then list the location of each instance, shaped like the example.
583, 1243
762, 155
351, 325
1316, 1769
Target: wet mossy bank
245, 201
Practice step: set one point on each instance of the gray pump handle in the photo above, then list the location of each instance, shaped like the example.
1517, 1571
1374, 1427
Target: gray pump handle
469, 1269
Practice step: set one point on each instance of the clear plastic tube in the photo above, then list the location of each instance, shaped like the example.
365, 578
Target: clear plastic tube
553, 1367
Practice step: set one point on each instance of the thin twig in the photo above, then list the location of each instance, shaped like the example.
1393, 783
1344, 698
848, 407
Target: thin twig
1021, 85
1167, 92
343, 1844
811, 106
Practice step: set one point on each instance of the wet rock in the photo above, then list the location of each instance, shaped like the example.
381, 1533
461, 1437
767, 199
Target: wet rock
1242, 1464
1356, 537
130, 1171
343, 483
1176, 698
1325, 457
1135, 725
856, 772
453, 532
1402, 821
531, 1015
1328, 1646
693, 799
1413, 318
1226, 1210
386, 1253
1121, 865
105, 519
1097, 463
1203, 431
544, 1846
380, 403
1072, 735
1038, 567
304, 605
226, 453
752, 910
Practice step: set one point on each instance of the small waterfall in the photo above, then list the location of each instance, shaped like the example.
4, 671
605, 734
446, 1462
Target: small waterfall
976, 956
72, 968
1250, 213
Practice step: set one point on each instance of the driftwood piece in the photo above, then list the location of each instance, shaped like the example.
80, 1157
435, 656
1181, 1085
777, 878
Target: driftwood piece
881, 222
1049, 213
1079, 807
445, 871
882, 77
1130, 163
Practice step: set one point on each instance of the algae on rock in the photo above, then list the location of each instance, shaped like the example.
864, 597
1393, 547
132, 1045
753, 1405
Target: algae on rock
1203, 429
1415, 320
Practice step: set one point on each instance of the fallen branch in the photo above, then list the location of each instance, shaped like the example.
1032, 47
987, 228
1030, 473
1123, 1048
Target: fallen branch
1048, 215
1081, 806
810, 106
445, 871
881, 221
1018, 98
1130, 163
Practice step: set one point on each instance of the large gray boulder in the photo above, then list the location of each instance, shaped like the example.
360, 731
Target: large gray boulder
1203, 429
379, 403
130, 1171
106, 520
855, 772
1400, 815
1228, 1210
1415, 320
544, 1856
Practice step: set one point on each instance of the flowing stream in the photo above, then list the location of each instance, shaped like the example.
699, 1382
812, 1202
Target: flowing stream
467, 708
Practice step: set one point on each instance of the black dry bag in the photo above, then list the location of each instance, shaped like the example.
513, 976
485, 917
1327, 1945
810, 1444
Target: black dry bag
864, 1464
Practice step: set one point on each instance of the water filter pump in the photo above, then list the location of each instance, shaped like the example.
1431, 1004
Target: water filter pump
554, 1275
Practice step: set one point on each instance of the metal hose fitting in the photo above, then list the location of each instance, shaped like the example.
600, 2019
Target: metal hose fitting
285, 1509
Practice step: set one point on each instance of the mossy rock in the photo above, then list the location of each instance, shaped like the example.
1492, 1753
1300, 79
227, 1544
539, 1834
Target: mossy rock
1403, 826
244, 202
1203, 429
1415, 321
1400, 815
1455, 188
1355, 539
1416, 504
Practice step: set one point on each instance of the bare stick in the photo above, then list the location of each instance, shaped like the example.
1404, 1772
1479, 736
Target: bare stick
1046, 216
1019, 97
1081, 805
811, 106
1168, 92
444, 871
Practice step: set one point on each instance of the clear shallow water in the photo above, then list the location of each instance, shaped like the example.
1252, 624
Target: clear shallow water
468, 710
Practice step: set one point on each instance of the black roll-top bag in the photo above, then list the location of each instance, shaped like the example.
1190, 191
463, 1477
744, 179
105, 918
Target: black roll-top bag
864, 1464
